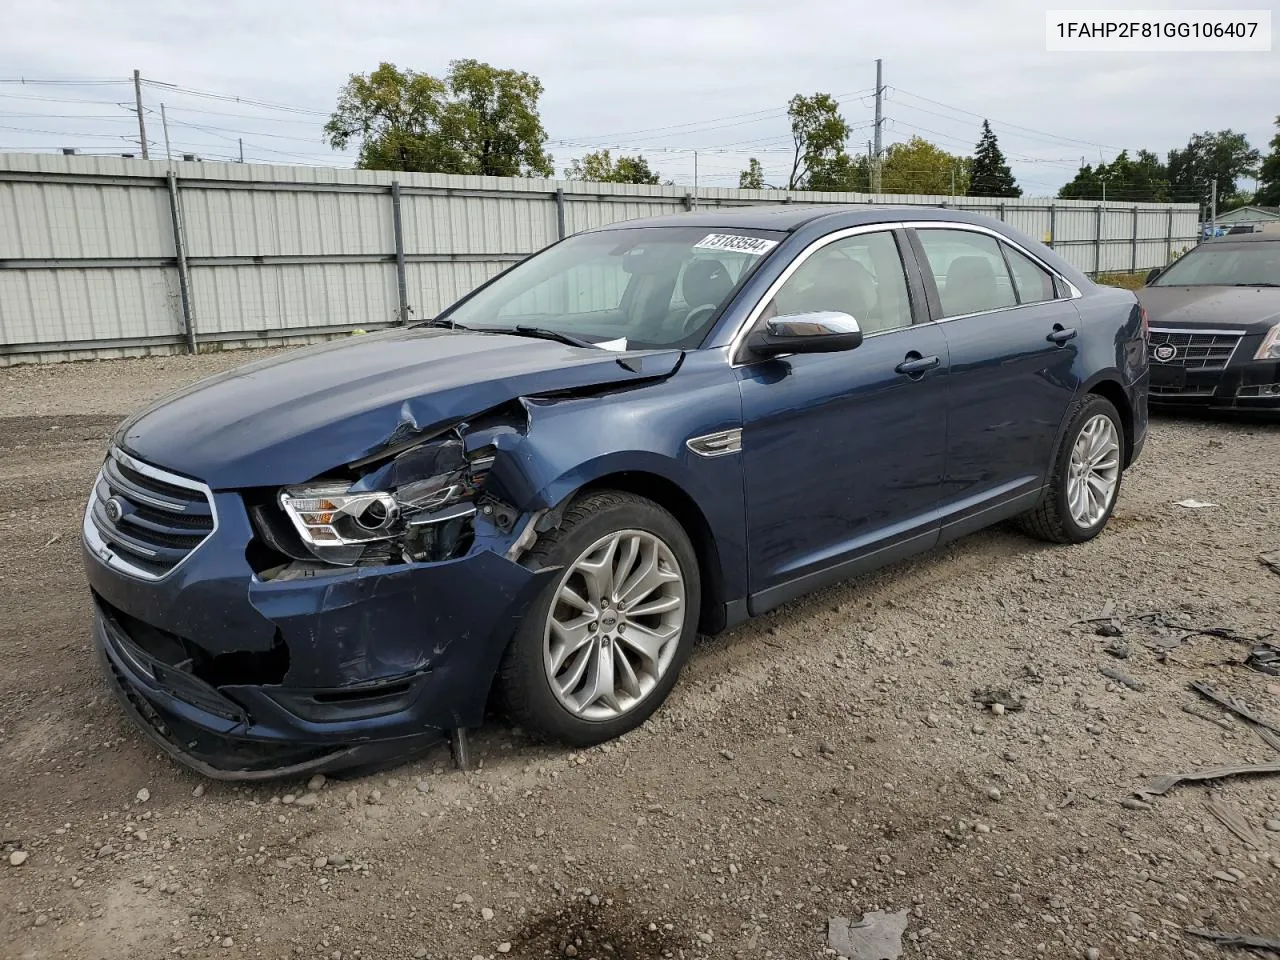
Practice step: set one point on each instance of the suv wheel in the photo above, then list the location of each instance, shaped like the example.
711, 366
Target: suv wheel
1086, 476
603, 644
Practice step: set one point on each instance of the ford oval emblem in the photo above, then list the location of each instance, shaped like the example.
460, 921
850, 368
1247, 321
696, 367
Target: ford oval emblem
1164, 353
115, 509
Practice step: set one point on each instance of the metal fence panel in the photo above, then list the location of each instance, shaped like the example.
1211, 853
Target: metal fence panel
89, 265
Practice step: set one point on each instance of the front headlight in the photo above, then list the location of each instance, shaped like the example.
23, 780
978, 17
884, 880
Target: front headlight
1270, 349
417, 506
331, 515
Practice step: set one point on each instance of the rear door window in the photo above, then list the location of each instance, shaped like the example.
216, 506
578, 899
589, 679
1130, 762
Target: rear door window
969, 271
1034, 284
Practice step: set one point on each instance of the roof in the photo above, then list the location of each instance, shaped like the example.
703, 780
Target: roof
789, 217
1242, 212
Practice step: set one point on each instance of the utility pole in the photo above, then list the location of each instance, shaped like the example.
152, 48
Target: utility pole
695, 176
242, 149
164, 122
142, 124
1213, 207
875, 162
953, 179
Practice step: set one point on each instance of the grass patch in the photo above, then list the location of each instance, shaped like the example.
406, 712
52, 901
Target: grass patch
1129, 281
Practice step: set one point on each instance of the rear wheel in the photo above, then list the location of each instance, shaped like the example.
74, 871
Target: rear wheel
603, 644
1086, 476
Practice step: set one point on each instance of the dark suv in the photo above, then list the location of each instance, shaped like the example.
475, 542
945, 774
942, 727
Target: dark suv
659, 427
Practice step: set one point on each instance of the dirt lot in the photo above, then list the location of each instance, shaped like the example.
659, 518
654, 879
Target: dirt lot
829, 760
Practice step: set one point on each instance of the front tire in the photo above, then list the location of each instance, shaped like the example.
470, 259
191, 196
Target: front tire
1085, 482
603, 644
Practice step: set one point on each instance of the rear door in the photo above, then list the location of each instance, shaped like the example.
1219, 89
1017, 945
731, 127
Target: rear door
1011, 331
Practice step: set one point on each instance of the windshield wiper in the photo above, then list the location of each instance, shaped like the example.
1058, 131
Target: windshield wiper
441, 322
1266, 283
544, 333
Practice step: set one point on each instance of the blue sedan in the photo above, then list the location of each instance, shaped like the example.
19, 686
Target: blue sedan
332, 557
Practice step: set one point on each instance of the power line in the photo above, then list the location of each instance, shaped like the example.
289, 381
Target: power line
1004, 123
232, 98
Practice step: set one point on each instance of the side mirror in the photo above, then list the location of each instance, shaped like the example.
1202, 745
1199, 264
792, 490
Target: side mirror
1155, 272
824, 331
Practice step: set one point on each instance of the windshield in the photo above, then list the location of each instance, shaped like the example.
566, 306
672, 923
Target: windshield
1227, 265
621, 289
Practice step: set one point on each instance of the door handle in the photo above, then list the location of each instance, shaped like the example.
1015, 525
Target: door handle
1061, 334
915, 366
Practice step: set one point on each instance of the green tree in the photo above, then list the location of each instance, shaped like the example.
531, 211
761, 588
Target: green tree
919, 166
819, 133
1225, 157
751, 178
600, 167
1141, 180
990, 175
477, 120
1269, 174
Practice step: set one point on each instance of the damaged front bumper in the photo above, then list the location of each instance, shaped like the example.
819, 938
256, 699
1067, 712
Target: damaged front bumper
241, 678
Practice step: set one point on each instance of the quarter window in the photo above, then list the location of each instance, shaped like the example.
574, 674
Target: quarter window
1034, 284
860, 275
969, 271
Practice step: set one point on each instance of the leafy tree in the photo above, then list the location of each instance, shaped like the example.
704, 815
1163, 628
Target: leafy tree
1224, 156
601, 168
1141, 180
1269, 174
477, 120
990, 175
818, 132
919, 166
751, 178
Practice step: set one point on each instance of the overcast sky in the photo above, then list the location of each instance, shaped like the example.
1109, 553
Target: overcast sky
663, 75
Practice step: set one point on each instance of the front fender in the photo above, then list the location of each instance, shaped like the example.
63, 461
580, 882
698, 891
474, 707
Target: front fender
571, 442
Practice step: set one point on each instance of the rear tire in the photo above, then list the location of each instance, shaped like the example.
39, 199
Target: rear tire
1085, 481
603, 644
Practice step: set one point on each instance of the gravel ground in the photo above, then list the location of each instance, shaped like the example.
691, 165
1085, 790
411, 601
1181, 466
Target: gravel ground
828, 760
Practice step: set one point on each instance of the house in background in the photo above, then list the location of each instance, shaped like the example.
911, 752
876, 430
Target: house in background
1259, 218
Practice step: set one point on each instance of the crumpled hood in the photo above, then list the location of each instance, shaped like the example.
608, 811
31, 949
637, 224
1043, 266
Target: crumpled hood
290, 418
1249, 308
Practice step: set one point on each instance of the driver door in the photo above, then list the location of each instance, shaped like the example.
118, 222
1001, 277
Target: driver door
844, 452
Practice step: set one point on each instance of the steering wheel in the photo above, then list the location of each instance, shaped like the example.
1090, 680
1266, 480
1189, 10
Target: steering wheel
697, 315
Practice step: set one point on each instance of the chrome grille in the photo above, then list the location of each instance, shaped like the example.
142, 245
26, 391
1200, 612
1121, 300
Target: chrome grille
144, 520
1196, 349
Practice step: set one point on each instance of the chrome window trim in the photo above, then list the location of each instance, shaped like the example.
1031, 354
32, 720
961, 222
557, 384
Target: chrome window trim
740, 335
1074, 292
103, 551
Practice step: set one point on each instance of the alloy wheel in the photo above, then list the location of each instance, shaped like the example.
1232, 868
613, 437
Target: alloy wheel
1094, 472
614, 625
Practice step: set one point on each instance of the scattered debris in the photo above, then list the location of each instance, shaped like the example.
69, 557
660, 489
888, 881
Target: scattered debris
1108, 629
1234, 939
1119, 676
1232, 704
1131, 803
877, 936
52, 540
1192, 504
1271, 560
1224, 724
1118, 649
1157, 786
1265, 658
1272, 739
1233, 820
989, 696
144, 795
17, 858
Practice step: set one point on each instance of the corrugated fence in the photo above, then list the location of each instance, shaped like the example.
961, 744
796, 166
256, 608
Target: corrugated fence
106, 256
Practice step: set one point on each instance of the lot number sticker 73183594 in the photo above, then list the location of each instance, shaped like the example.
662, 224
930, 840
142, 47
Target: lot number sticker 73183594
755, 246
